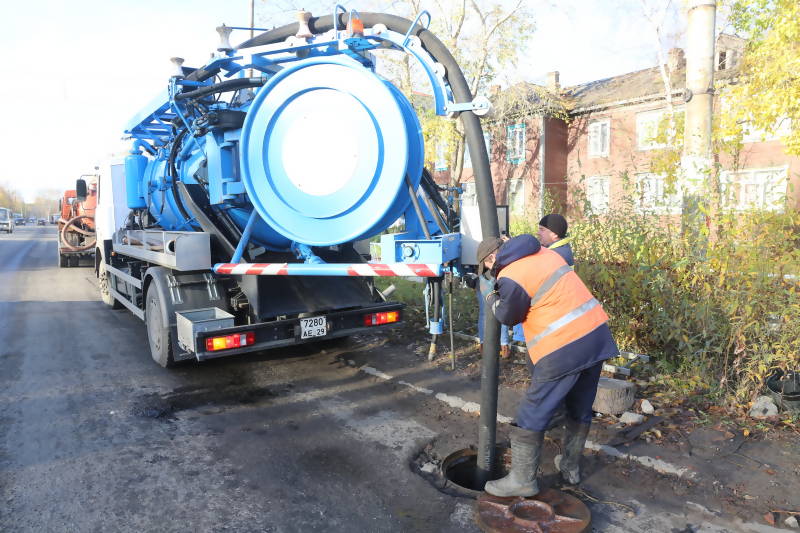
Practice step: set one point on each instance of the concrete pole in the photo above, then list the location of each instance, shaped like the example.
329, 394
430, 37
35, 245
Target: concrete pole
700, 82
699, 177
252, 18
252, 25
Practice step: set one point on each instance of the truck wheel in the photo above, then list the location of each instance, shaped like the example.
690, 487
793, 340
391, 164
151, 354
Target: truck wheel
104, 284
62, 260
74, 260
160, 337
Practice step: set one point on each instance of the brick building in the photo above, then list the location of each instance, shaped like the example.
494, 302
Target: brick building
609, 140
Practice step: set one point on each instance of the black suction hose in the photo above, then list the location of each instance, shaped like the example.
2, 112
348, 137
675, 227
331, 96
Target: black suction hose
429, 186
173, 170
483, 187
223, 86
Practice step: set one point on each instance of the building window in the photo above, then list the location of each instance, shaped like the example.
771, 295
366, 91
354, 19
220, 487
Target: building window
647, 124
751, 134
754, 189
597, 193
469, 196
487, 141
515, 143
599, 133
441, 156
726, 59
648, 127
654, 196
721, 60
516, 196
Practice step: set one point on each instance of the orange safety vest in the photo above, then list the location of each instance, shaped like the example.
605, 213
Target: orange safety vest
562, 308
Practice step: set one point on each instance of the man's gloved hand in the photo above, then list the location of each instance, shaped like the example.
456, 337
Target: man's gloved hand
491, 298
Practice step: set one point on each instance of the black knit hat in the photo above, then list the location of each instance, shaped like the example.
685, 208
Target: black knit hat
555, 223
486, 248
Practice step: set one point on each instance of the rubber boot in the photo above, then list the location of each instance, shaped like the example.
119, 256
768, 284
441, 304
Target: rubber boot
526, 448
574, 441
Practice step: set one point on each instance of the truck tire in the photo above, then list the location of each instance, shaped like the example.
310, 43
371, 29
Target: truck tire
62, 260
159, 336
105, 290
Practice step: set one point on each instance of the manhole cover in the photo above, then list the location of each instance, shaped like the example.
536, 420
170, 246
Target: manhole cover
550, 511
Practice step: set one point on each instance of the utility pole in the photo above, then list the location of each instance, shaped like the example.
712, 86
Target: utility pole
252, 18
252, 25
697, 161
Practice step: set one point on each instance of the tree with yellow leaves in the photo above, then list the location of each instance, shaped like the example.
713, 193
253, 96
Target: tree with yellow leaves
767, 95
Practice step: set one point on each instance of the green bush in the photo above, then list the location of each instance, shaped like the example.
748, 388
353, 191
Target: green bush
717, 304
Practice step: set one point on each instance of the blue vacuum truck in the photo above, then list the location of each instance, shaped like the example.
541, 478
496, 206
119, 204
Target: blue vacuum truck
243, 215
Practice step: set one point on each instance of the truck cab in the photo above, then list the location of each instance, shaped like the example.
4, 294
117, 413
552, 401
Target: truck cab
6, 220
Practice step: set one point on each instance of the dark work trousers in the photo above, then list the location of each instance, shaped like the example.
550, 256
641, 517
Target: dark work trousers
541, 400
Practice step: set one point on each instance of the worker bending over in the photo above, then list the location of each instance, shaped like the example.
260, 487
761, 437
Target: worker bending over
568, 339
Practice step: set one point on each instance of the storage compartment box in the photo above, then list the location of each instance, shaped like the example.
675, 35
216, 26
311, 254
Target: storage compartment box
190, 323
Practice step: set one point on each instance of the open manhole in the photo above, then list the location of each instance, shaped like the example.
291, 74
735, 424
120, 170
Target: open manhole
460, 469
550, 510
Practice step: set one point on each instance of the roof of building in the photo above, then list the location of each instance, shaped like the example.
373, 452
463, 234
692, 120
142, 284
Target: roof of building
528, 99
628, 88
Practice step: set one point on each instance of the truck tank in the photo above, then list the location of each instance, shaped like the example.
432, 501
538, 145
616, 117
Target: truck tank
289, 150
321, 154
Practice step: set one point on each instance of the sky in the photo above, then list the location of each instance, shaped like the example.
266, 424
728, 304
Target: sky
76, 71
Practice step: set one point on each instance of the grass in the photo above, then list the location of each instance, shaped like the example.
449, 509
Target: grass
465, 303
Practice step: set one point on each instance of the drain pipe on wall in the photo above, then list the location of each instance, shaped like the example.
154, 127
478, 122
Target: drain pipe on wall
542, 142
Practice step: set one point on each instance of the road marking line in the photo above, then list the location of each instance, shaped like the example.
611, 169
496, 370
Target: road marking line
473, 408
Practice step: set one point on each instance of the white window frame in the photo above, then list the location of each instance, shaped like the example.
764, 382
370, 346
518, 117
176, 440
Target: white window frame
603, 184
650, 120
515, 196
651, 197
595, 148
516, 140
441, 163
771, 193
753, 135
487, 141
469, 195
783, 127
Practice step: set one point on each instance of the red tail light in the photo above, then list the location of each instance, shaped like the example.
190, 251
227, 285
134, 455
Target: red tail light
227, 342
376, 319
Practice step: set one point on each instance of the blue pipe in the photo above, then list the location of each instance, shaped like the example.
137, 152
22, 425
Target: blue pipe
304, 252
248, 229
139, 145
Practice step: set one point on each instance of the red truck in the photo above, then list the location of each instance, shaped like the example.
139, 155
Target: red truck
76, 228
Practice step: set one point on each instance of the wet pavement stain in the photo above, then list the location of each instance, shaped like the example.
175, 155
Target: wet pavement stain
166, 406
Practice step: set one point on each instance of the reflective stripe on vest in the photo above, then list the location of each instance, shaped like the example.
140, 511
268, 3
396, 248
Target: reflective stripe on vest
563, 321
554, 292
549, 282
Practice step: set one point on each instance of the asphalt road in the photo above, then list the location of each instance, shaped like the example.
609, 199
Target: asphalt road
94, 436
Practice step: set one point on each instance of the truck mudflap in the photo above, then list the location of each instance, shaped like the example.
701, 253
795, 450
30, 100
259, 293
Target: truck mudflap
292, 331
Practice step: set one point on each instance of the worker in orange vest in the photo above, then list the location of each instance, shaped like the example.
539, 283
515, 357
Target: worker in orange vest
568, 339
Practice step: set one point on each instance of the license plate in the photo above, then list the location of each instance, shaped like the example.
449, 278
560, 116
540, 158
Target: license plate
315, 326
